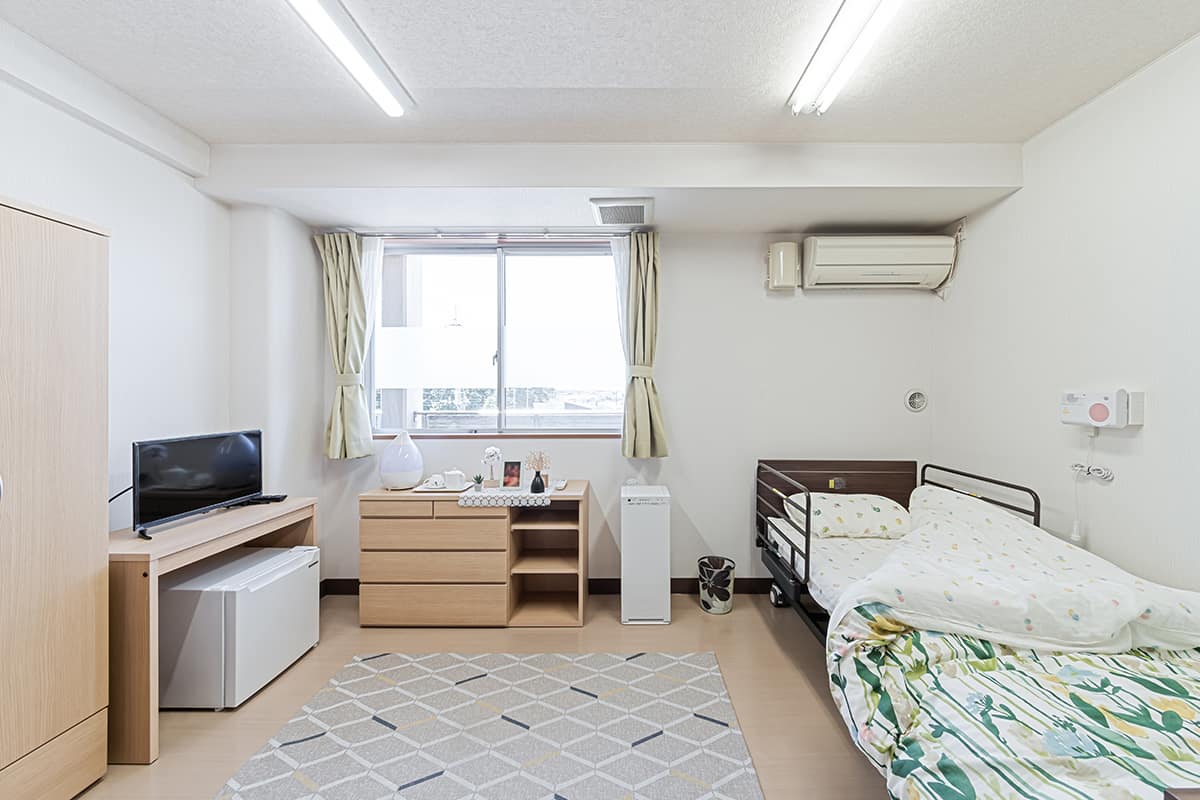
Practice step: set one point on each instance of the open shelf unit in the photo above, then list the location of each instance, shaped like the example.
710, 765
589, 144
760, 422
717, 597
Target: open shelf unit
546, 519
548, 550
545, 610
546, 562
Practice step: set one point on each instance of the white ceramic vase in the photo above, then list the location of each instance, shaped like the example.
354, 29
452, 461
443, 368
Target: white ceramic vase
400, 463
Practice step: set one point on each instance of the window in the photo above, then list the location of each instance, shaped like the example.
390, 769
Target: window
498, 339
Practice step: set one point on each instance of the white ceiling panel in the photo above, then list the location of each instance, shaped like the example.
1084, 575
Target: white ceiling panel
653, 70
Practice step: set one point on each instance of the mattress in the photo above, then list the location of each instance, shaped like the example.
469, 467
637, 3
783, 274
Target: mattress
837, 562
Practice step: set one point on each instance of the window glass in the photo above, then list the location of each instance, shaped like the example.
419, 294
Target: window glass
563, 365
435, 344
439, 357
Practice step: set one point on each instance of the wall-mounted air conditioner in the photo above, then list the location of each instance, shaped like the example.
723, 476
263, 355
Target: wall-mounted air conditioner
876, 262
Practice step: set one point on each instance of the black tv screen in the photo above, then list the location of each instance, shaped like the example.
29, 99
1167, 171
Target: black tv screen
175, 478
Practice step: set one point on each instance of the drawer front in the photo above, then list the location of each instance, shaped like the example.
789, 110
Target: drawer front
431, 566
433, 534
454, 510
469, 605
395, 508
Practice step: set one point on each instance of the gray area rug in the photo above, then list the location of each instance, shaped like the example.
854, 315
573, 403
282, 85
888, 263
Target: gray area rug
593, 726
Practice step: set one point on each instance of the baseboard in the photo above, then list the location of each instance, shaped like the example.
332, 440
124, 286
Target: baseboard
595, 586
339, 586
683, 585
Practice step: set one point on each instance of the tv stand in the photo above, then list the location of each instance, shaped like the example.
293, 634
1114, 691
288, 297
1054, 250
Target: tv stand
135, 564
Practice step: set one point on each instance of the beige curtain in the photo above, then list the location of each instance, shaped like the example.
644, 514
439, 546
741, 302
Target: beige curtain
350, 264
636, 263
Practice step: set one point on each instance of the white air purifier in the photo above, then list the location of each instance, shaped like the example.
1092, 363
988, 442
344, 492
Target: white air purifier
645, 555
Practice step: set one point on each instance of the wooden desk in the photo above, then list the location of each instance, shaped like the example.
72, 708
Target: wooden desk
134, 568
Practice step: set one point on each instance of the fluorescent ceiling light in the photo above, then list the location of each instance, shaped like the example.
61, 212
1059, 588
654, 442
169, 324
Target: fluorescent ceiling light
854, 30
335, 27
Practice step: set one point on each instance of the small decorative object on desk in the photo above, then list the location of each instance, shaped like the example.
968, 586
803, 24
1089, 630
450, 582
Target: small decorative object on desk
539, 462
455, 480
477, 483
400, 463
716, 584
491, 457
504, 497
512, 476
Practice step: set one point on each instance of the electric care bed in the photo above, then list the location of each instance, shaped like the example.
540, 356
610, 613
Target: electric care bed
975, 656
810, 572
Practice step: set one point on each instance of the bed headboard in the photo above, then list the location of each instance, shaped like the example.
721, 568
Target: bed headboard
892, 479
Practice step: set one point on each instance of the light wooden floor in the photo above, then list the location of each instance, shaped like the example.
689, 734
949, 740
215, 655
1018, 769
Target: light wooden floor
772, 665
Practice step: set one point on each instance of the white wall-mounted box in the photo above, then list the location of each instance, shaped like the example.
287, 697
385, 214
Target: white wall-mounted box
783, 265
1112, 408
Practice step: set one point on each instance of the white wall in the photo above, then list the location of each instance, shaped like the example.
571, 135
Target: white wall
1087, 278
743, 375
277, 344
168, 271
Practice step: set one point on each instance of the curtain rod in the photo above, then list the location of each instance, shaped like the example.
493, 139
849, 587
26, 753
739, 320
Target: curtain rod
460, 234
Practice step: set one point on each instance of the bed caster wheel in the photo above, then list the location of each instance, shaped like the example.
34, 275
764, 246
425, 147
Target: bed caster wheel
778, 598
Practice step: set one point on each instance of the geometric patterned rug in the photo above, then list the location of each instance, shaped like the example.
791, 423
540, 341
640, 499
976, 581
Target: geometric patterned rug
592, 726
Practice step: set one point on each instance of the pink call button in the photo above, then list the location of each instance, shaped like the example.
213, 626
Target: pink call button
1098, 412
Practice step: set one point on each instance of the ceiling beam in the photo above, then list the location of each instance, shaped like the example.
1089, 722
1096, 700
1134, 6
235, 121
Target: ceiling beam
36, 69
236, 169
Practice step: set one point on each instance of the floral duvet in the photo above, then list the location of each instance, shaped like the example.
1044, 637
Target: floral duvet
953, 717
1057, 675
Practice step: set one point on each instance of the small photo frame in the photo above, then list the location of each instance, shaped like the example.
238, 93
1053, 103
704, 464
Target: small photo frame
511, 479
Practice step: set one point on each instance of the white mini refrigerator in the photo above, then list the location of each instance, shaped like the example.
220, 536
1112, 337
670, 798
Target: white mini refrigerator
231, 623
645, 555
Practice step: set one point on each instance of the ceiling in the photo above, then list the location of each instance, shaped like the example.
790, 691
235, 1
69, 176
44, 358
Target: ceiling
623, 70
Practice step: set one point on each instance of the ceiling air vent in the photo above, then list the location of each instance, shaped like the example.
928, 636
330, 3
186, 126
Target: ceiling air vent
623, 210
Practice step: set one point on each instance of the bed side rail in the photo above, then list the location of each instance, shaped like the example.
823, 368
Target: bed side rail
1033, 510
765, 492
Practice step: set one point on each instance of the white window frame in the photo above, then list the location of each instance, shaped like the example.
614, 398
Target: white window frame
501, 251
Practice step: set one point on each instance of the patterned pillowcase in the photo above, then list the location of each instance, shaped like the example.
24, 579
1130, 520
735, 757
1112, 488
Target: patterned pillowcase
853, 516
931, 503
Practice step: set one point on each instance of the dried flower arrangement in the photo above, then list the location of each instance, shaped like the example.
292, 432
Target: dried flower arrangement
537, 461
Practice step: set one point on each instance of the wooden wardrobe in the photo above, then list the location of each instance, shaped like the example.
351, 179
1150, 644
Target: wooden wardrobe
53, 509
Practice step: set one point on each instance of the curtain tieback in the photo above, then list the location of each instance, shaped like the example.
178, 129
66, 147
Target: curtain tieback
349, 379
641, 371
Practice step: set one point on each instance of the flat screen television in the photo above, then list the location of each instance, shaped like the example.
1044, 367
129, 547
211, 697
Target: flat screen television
176, 478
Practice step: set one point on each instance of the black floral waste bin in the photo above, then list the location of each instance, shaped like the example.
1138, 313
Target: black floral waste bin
716, 583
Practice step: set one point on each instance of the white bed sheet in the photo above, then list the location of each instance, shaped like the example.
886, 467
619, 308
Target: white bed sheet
837, 563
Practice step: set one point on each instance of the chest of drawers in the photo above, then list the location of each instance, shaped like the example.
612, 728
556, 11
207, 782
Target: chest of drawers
424, 560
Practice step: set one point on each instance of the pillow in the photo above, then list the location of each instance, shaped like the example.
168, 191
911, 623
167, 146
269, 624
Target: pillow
930, 503
852, 515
